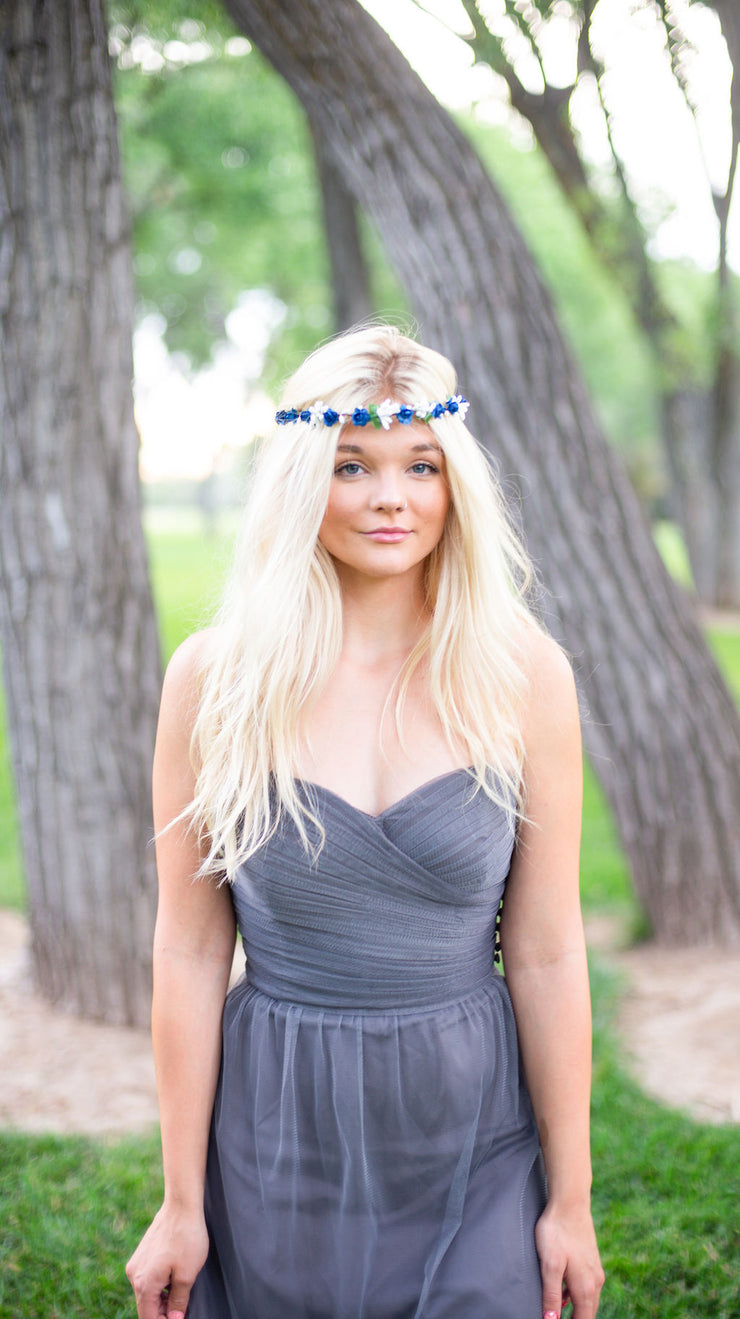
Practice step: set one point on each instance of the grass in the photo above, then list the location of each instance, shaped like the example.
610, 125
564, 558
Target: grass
665, 1194
666, 1188
187, 565
72, 1211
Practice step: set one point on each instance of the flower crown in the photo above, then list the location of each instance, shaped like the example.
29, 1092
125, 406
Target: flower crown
375, 414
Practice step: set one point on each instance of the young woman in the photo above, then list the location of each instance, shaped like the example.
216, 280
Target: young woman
375, 739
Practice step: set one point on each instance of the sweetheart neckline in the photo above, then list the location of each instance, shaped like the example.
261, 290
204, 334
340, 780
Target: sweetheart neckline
368, 815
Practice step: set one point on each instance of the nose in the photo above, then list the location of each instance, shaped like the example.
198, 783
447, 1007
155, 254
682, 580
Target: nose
388, 493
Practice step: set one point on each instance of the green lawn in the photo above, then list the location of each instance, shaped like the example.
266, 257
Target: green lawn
666, 1189
187, 566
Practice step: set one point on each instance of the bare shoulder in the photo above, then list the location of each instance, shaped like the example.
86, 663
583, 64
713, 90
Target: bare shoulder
187, 661
182, 679
174, 776
551, 707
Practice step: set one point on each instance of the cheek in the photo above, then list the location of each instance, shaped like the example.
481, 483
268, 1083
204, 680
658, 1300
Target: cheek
441, 506
337, 513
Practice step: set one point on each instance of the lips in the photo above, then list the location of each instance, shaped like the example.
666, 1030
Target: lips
388, 535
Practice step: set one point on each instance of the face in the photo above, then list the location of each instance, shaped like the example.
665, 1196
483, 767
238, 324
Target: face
388, 500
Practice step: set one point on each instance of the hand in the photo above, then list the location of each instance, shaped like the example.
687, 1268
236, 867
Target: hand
569, 1262
166, 1262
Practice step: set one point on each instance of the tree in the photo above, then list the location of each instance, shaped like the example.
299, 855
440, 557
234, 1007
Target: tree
226, 183
212, 135
77, 623
350, 276
700, 418
659, 722
219, 170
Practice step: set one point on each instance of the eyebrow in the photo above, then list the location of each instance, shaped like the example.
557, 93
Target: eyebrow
423, 447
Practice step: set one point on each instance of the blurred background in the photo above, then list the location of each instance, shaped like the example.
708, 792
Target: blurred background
611, 128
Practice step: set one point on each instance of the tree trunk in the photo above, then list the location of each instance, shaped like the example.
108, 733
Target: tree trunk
659, 722
78, 633
687, 427
726, 472
349, 274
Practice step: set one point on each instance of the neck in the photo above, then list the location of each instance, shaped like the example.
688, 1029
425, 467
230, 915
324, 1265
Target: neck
382, 618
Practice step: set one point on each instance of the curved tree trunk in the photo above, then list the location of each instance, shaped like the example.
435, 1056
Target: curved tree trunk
659, 723
349, 273
76, 620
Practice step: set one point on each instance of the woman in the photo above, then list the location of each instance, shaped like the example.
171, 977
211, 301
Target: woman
383, 737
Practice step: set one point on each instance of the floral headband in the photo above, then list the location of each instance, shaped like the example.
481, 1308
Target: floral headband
376, 414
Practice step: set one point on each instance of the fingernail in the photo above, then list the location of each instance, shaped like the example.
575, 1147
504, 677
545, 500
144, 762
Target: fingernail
549, 1314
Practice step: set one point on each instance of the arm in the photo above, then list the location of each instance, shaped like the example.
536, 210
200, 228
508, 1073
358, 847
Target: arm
193, 950
545, 962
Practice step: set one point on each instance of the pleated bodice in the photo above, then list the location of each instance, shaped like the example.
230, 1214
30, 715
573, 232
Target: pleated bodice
397, 910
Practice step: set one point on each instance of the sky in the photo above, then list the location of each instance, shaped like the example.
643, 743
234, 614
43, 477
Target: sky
189, 426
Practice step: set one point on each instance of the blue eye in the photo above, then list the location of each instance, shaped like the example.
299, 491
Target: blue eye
422, 468
348, 469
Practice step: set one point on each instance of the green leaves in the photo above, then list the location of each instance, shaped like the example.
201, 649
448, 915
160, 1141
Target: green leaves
219, 172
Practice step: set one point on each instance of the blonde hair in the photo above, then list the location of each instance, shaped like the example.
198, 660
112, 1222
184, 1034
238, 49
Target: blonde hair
278, 634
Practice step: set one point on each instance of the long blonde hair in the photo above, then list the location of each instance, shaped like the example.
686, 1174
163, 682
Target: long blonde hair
278, 634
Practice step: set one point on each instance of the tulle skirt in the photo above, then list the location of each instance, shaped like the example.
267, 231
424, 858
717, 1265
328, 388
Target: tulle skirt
371, 1165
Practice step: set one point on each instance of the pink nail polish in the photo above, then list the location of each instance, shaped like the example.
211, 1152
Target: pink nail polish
551, 1314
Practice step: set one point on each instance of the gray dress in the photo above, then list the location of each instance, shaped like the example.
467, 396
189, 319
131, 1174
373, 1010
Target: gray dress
373, 1153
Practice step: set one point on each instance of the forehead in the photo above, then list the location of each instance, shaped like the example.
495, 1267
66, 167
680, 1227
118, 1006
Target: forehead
414, 439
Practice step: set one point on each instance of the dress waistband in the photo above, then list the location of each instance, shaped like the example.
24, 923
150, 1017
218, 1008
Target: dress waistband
318, 1005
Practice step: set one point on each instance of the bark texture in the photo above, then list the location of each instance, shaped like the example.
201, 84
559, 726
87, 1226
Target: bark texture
349, 273
77, 625
660, 726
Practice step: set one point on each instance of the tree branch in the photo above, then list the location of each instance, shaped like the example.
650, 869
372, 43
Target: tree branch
547, 112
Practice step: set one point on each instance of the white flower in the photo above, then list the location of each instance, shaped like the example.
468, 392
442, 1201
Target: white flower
386, 413
462, 405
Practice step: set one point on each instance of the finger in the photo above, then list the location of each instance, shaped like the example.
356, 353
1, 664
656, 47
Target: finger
177, 1301
552, 1292
148, 1305
149, 1302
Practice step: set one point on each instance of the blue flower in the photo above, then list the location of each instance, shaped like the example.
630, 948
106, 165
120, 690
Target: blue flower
458, 404
360, 417
438, 410
306, 414
405, 414
286, 416
330, 417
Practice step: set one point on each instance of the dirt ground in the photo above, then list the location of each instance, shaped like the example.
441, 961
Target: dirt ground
679, 1023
